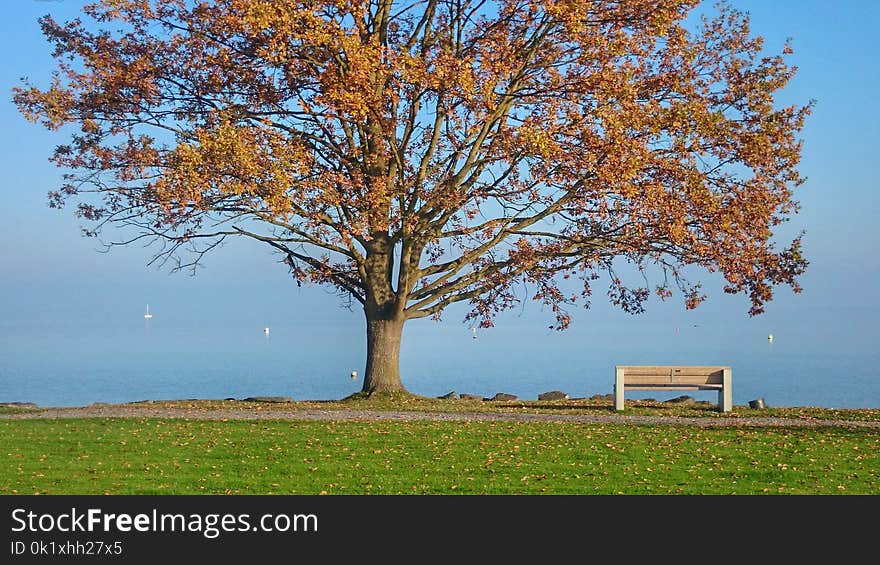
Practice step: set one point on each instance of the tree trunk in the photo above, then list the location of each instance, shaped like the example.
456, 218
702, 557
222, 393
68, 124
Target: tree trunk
383, 355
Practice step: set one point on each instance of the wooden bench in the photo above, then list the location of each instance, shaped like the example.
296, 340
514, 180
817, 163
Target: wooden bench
674, 377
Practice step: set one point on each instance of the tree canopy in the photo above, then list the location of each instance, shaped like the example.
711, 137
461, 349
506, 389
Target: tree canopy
421, 153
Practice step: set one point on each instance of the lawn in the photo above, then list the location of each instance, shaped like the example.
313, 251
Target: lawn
178, 456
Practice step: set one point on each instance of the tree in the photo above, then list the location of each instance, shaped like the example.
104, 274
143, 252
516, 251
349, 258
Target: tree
417, 154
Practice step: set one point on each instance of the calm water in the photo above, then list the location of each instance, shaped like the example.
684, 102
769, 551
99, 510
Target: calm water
62, 367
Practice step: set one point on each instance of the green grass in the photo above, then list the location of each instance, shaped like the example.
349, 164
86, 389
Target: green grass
176, 456
15, 409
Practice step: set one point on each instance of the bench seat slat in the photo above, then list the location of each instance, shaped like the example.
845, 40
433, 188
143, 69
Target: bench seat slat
674, 387
677, 379
666, 368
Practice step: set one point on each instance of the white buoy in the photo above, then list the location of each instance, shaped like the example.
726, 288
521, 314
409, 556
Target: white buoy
354, 375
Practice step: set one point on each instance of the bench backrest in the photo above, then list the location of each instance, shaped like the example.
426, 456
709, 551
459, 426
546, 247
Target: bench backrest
672, 374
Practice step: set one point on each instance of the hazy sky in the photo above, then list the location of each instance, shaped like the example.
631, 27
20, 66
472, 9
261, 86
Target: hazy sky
51, 278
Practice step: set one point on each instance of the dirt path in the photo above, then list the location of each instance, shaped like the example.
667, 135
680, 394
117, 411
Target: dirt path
402, 415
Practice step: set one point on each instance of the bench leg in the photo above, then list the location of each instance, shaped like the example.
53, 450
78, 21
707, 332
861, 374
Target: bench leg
725, 395
618, 389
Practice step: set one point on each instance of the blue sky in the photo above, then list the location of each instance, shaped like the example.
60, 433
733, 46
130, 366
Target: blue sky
52, 278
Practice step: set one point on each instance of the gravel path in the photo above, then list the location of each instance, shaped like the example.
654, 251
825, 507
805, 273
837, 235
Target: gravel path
402, 415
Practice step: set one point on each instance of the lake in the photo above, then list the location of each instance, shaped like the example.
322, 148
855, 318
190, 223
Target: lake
67, 366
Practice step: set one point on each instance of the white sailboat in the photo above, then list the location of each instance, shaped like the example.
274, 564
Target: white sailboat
147, 316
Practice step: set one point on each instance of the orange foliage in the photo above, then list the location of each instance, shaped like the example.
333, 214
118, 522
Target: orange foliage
417, 154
